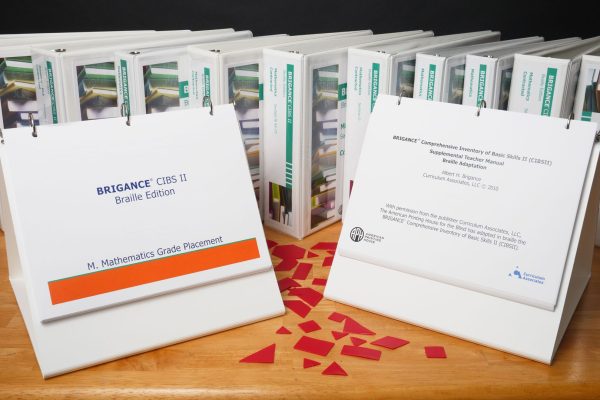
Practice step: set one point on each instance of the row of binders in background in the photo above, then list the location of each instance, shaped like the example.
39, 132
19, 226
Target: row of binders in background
303, 102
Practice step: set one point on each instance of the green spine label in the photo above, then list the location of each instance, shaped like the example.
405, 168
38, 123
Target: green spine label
342, 91
549, 91
261, 93
289, 123
184, 90
52, 92
481, 84
374, 84
125, 84
431, 81
206, 82
586, 116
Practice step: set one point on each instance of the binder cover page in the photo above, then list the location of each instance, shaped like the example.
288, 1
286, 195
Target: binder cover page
107, 213
487, 203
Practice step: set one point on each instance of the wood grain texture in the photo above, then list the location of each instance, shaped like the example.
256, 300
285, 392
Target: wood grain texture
209, 367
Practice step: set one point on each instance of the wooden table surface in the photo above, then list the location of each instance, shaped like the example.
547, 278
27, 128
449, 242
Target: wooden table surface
209, 367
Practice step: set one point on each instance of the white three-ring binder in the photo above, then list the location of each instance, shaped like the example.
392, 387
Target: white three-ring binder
127, 235
474, 222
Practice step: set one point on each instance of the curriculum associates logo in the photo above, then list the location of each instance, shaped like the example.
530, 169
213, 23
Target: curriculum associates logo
357, 234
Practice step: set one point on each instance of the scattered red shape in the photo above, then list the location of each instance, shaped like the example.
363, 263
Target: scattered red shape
297, 306
309, 326
325, 246
390, 342
351, 326
289, 251
338, 335
309, 295
328, 261
311, 255
332, 252
314, 346
356, 341
337, 317
271, 244
435, 352
287, 264
286, 283
334, 369
302, 271
266, 355
319, 281
363, 352
283, 331
308, 363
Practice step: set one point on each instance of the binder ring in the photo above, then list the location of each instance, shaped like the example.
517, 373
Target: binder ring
32, 124
207, 102
482, 104
400, 96
125, 113
1, 137
571, 117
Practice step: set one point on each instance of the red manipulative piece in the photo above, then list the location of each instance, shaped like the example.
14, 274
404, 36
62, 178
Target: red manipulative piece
334, 369
319, 282
327, 261
302, 271
283, 331
390, 342
287, 264
338, 335
289, 251
435, 352
308, 363
266, 355
309, 295
314, 346
309, 326
325, 246
363, 352
357, 341
287, 283
297, 306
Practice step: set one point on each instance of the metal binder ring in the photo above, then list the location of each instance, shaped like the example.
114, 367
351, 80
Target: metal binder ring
400, 96
571, 117
482, 104
32, 124
207, 102
125, 113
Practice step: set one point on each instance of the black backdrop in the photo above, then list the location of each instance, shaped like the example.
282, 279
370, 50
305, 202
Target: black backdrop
551, 19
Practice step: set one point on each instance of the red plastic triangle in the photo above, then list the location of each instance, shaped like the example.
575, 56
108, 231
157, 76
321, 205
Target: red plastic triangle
266, 355
283, 331
311, 255
351, 326
271, 243
286, 283
338, 335
334, 369
356, 341
308, 363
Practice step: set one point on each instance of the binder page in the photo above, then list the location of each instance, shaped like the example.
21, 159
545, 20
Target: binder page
482, 202
107, 213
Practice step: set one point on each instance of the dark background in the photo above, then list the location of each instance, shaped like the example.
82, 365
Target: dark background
551, 19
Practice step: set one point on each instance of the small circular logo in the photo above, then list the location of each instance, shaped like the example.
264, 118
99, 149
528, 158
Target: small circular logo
357, 234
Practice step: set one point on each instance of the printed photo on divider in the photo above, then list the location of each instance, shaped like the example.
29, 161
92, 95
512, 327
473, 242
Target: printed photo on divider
17, 92
505, 80
591, 102
324, 143
97, 91
280, 203
161, 87
405, 78
244, 94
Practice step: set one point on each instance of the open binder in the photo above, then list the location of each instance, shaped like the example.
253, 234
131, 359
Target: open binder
379, 282
195, 264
